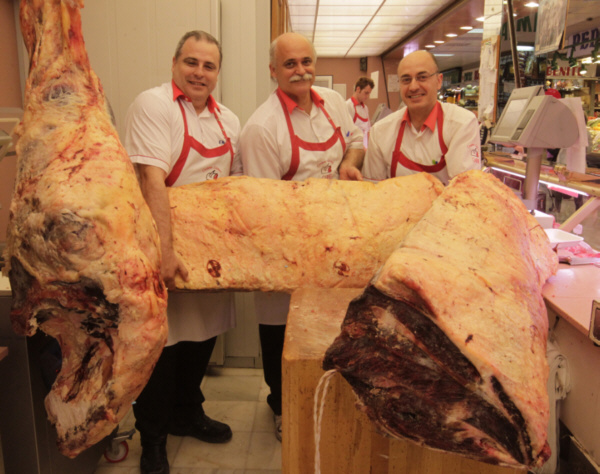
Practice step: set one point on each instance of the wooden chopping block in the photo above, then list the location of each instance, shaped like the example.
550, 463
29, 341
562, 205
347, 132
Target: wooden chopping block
350, 443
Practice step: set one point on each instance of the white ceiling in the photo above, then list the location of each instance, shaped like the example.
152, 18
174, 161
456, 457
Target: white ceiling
357, 28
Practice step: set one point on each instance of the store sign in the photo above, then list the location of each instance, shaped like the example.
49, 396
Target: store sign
585, 41
525, 28
564, 70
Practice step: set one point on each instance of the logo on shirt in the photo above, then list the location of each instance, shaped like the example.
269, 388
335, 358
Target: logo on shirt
213, 174
327, 169
221, 142
474, 152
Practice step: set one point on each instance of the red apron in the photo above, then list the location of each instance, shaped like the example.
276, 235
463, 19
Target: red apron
400, 158
211, 155
298, 143
356, 116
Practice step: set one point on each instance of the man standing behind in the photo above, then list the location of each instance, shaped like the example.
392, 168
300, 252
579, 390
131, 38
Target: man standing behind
300, 132
178, 134
357, 107
425, 135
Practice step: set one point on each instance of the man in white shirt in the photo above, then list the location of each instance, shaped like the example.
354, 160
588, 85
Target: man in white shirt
300, 132
177, 134
357, 107
425, 135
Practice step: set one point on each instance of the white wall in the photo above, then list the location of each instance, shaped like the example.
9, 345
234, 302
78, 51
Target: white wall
131, 43
245, 37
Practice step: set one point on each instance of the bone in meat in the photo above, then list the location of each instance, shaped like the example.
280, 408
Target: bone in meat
447, 345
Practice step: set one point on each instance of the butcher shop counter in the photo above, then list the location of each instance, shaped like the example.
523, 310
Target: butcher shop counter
349, 442
570, 294
569, 297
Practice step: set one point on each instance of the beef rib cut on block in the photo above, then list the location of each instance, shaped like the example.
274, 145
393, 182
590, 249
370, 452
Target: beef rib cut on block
447, 345
82, 249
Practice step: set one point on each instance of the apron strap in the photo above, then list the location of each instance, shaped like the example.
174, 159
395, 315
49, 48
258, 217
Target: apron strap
400, 158
298, 143
190, 142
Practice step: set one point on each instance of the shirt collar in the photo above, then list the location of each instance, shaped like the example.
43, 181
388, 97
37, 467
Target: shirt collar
291, 105
211, 103
356, 102
430, 121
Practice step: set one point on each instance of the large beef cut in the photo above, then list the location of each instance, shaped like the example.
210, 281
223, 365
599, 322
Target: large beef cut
82, 250
447, 345
271, 235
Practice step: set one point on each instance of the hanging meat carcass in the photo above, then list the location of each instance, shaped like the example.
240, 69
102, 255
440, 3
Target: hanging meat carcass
82, 249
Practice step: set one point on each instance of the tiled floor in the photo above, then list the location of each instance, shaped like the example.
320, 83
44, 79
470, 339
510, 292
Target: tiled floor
233, 396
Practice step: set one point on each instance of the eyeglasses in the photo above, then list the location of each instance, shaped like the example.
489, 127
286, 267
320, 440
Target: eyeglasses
421, 77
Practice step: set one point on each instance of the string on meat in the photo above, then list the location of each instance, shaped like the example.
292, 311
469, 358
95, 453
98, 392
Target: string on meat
319, 403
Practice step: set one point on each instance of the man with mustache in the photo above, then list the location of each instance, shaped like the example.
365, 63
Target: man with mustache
300, 132
425, 135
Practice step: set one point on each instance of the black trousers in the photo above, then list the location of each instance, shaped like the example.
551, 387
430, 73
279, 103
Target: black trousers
271, 343
173, 391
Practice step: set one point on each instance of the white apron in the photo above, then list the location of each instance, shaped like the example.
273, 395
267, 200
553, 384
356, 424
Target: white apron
200, 316
307, 158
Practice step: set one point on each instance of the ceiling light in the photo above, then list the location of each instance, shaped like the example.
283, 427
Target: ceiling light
466, 27
430, 46
451, 35
440, 55
524, 47
481, 18
438, 42
475, 31
532, 4
583, 70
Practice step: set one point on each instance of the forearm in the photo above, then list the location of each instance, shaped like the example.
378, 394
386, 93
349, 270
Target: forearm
157, 198
352, 163
152, 182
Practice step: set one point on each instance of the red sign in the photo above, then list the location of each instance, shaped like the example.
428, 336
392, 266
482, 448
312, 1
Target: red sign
564, 71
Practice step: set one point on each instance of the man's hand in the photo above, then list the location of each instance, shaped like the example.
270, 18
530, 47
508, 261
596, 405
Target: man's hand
171, 267
152, 183
349, 172
351, 164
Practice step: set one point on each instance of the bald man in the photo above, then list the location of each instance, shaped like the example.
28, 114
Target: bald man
300, 132
425, 135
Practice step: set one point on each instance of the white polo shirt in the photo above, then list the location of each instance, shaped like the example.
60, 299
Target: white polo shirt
154, 130
460, 134
154, 135
362, 111
265, 141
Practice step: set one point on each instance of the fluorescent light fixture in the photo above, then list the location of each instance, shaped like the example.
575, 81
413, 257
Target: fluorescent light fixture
525, 47
475, 31
481, 18
532, 4
444, 55
466, 27
438, 42
430, 46
451, 35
